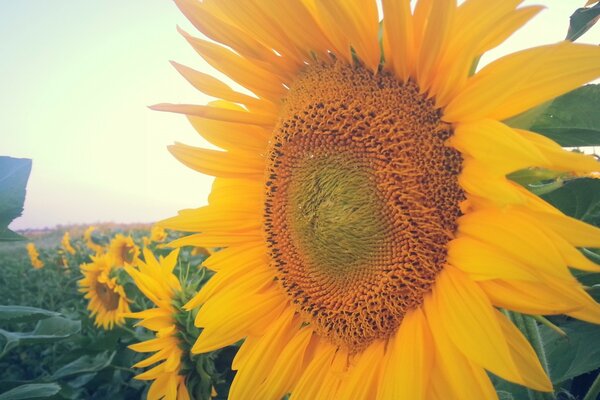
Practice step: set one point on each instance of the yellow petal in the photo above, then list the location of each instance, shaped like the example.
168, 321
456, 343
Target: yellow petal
482, 261
409, 360
522, 80
517, 237
479, 27
496, 188
260, 81
312, 377
558, 158
527, 297
260, 24
213, 87
352, 23
525, 357
363, 376
437, 30
219, 114
218, 239
231, 136
241, 314
299, 25
453, 374
232, 257
214, 218
265, 352
398, 37
218, 163
288, 367
497, 146
468, 316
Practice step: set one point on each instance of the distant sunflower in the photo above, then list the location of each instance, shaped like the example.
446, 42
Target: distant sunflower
89, 241
66, 243
369, 226
157, 235
34, 256
123, 249
157, 282
107, 299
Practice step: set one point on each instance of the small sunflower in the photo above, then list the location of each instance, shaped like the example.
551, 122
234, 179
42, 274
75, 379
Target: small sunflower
66, 243
157, 282
157, 235
369, 228
89, 241
123, 249
34, 256
107, 298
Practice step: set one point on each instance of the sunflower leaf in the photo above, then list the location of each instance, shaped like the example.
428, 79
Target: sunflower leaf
85, 364
578, 198
14, 173
24, 313
573, 355
582, 20
572, 119
46, 331
31, 391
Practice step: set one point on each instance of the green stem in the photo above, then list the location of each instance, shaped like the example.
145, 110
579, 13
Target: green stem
594, 391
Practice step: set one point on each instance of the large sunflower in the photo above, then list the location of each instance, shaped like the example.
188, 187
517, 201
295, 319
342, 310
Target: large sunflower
107, 298
362, 198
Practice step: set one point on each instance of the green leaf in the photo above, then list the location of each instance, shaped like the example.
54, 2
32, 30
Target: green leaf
573, 118
573, 355
581, 21
14, 173
526, 119
579, 198
85, 364
46, 331
24, 313
31, 391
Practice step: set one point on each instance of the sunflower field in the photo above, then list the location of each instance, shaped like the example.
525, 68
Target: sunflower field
388, 220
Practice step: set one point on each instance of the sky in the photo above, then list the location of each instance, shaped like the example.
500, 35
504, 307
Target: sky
76, 77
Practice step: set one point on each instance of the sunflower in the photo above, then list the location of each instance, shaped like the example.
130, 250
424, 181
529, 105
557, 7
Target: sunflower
157, 282
89, 241
34, 256
123, 249
107, 298
370, 231
66, 243
157, 235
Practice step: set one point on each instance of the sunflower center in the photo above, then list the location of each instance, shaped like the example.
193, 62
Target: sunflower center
362, 199
108, 297
127, 253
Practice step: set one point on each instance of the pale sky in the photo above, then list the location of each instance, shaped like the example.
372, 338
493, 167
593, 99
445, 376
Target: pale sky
76, 77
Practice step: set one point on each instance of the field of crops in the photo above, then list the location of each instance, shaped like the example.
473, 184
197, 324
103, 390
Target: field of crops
52, 344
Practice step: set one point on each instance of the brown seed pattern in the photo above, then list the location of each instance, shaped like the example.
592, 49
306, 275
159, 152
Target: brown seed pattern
362, 198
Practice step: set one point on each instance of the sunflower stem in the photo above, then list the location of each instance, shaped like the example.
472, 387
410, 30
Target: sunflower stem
530, 329
594, 391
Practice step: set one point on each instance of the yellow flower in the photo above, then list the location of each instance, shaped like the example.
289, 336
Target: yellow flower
66, 243
34, 256
89, 241
369, 226
157, 233
107, 298
157, 282
123, 249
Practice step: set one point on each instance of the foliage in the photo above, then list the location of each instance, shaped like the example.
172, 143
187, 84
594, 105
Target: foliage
14, 173
50, 347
